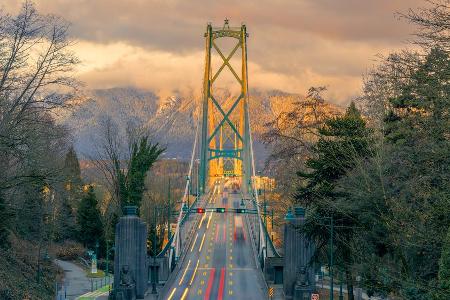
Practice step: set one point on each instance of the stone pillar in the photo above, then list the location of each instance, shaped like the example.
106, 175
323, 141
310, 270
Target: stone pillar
298, 271
131, 253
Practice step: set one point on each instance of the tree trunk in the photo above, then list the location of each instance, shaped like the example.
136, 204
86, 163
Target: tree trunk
349, 279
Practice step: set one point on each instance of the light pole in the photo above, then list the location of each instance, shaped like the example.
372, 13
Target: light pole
107, 257
96, 248
341, 295
169, 211
331, 257
265, 205
271, 226
189, 189
154, 253
331, 254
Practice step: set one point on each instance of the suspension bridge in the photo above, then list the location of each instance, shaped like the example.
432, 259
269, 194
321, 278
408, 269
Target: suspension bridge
220, 248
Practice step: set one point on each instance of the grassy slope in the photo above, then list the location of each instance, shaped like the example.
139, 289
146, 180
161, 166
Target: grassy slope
18, 269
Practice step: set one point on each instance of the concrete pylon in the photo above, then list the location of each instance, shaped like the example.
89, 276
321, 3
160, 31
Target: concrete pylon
130, 263
298, 271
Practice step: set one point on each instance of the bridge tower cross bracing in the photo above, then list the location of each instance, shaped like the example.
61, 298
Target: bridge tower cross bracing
223, 122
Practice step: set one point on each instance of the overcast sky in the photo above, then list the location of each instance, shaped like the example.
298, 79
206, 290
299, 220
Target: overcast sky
293, 44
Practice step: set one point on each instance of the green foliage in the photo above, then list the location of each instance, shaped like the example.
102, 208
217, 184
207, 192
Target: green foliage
31, 214
421, 111
343, 140
399, 197
72, 168
343, 143
65, 222
69, 194
152, 237
444, 265
4, 223
90, 227
143, 156
131, 182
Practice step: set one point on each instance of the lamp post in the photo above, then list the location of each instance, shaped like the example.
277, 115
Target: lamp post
271, 226
169, 211
198, 182
154, 254
96, 248
265, 204
331, 258
107, 257
341, 295
189, 189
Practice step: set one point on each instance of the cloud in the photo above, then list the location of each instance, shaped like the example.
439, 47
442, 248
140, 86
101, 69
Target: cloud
293, 44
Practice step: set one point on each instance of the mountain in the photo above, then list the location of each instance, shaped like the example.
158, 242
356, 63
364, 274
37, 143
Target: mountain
170, 120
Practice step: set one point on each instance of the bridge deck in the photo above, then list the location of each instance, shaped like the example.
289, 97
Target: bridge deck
219, 263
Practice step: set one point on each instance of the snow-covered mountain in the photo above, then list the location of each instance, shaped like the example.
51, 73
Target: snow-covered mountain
171, 121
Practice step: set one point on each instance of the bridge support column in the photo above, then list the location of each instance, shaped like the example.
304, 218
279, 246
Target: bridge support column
298, 271
130, 260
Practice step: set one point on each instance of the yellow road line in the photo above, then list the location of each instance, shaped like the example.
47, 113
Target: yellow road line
184, 294
193, 244
195, 271
171, 294
184, 274
209, 220
201, 245
201, 221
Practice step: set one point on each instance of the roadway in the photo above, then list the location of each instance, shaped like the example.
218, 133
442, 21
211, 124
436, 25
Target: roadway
219, 263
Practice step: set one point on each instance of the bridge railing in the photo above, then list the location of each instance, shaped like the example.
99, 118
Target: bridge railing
184, 225
261, 236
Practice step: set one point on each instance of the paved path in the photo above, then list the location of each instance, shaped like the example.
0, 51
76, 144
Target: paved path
75, 279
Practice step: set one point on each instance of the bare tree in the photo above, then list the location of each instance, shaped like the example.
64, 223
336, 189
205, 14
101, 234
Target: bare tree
35, 83
433, 24
291, 135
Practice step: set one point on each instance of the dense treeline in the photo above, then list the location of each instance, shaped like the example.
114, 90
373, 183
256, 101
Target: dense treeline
40, 182
383, 176
43, 199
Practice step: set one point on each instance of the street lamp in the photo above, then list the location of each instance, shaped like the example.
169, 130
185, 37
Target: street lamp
154, 254
107, 256
185, 207
169, 211
96, 248
341, 295
331, 255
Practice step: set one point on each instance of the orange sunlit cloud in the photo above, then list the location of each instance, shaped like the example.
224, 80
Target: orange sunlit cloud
293, 44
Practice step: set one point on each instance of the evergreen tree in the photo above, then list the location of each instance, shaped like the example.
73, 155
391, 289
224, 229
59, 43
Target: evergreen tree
399, 199
142, 159
343, 142
131, 183
72, 173
419, 172
72, 166
444, 269
65, 221
69, 196
4, 223
90, 227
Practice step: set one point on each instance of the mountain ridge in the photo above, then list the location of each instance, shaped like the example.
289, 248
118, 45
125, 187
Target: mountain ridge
171, 120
